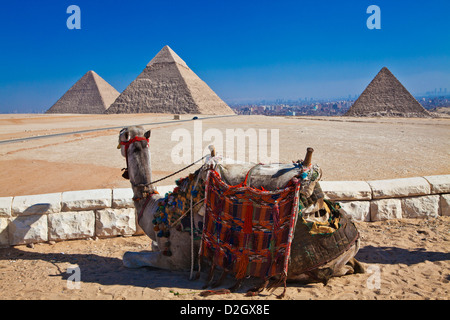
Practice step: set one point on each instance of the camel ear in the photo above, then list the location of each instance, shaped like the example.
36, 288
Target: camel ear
147, 134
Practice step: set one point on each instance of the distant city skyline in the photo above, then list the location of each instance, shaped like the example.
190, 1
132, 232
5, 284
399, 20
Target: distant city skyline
243, 50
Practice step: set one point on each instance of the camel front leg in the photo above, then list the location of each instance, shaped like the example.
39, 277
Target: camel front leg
136, 260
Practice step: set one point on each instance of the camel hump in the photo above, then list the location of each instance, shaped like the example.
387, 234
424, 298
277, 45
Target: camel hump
272, 176
268, 176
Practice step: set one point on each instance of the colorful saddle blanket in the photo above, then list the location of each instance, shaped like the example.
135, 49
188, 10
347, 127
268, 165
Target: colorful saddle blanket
249, 231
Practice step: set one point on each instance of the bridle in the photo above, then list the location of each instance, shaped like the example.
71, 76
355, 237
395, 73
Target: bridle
127, 145
146, 193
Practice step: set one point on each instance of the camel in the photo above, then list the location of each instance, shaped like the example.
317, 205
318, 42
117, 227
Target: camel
134, 145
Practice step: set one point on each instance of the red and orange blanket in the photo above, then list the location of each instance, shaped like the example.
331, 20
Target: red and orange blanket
249, 231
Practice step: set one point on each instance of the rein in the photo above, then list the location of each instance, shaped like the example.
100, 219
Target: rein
127, 145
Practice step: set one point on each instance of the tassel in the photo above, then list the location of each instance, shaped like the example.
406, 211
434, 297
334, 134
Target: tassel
214, 292
242, 266
248, 216
275, 216
210, 276
221, 278
284, 278
257, 290
237, 285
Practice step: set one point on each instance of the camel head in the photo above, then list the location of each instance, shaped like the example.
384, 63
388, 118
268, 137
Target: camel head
134, 146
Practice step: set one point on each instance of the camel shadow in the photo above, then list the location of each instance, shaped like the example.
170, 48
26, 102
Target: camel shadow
109, 271
394, 255
106, 271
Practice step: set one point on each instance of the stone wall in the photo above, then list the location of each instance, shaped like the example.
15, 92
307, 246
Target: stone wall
110, 212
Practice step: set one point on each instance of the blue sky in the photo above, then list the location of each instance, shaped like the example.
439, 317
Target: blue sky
244, 50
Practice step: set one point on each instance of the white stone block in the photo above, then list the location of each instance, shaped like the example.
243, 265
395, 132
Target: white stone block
420, 207
86, 200
444, 209
5, 207
357, 210
71, 225
115, 222
122, 198
164, 189
346, 190
439, 184
28, 229
4, 236
36, 204
385, 209
397, 188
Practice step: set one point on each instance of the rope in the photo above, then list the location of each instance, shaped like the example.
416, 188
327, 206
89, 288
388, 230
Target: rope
172, 174
192, 230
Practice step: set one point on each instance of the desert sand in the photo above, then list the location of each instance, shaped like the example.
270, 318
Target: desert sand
405, 259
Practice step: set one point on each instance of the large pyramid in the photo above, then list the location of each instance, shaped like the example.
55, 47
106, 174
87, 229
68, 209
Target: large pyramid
386, 96
90, 94
167, 85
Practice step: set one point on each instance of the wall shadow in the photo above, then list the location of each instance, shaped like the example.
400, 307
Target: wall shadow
394, 255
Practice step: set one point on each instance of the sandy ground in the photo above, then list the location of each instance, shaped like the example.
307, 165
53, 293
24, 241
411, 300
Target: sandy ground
410, 258
406, 259
345, 148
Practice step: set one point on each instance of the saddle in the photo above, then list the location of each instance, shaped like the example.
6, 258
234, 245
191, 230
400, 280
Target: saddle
287, 209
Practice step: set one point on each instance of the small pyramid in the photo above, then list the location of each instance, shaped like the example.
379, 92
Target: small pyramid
90, 94
167, 85
386, 96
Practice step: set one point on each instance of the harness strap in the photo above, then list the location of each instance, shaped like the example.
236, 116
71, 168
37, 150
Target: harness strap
145, 204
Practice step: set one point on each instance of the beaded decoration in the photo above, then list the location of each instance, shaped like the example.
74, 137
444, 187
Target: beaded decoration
172, 207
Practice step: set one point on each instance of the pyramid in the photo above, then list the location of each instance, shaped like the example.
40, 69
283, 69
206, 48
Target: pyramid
386, 96
90, 94
167, 85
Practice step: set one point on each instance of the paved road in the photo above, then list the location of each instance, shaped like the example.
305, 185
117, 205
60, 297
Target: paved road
107, 128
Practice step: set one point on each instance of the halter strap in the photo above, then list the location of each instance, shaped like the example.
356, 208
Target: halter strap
127, 145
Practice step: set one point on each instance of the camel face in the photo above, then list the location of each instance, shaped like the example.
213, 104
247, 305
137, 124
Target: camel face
134, 147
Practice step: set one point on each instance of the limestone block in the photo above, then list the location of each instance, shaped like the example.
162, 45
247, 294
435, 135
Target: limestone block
397, 188
122, 198
28, 229
71, 225
4, 236
444, 205
86, 200
115, 222
346, 190
36, 204
357, 210
5, 207
439, 184
164, 189
420, 207
385, 209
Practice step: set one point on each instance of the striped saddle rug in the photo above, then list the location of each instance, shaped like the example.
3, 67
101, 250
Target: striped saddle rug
249, 231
